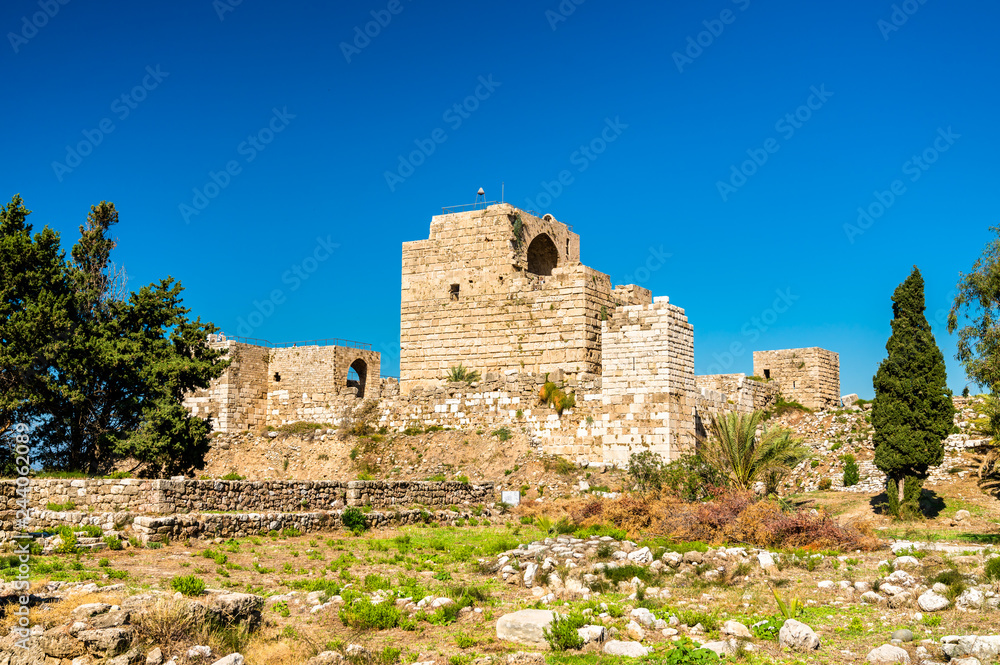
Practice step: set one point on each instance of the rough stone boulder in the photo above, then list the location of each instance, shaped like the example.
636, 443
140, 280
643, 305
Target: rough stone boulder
525, 627
57, 643
929, 601
326, 658
735, 629
235, 608
970, 599
984, 647
797, 636
628, 649
106, 639
888, 653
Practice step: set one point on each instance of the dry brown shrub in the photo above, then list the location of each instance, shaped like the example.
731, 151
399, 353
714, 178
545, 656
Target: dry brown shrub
733, 517
169, 624
262, 650
754, 524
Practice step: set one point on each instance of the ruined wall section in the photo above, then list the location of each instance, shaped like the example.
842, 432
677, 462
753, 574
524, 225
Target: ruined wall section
310, 383
237, 400
648, 388
469, 297
741, 392
810, 376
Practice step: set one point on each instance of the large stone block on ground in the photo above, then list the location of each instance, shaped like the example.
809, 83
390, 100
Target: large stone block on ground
984, 647
797, 636
525, 627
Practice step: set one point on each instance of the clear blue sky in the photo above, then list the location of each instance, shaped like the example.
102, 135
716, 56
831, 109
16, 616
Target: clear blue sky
199, 90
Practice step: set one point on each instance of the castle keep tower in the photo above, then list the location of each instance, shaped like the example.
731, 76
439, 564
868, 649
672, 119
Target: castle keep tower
500, 289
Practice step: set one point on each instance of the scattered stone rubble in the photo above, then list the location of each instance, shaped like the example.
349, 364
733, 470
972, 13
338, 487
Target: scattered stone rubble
106, 633
566, 568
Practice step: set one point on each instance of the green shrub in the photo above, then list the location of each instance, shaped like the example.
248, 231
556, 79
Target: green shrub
561, 633
299, 428
60, 507
686, 652
353, 519
232, 475
825, 484
992, 569
113, 542
503, 434
852, 475
363, 615
68, 544
188, 585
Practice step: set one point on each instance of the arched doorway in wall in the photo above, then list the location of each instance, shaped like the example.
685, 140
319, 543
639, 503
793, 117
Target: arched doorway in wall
357, 374
542, 255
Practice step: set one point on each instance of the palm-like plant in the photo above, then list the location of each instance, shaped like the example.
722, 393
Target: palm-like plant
459, 374
746, 456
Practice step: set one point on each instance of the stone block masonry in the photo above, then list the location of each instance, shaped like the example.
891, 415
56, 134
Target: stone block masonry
500, 289
269, 387
166, 497
745, 393
502, 292
810, 376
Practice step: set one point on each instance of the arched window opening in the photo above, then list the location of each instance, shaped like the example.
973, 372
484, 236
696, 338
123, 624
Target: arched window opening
356, 376
542, 255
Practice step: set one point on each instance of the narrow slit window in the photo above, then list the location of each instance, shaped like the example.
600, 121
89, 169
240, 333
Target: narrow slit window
453, 292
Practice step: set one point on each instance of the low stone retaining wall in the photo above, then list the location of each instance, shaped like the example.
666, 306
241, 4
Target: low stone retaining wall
233, 525
149, 528
166, 497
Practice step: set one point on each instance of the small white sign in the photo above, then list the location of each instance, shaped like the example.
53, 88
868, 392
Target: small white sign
511, 498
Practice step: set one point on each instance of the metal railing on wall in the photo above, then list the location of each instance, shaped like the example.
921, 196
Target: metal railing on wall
329, 341
447, 210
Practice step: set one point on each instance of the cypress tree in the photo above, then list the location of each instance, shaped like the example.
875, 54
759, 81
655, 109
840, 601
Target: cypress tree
913, 410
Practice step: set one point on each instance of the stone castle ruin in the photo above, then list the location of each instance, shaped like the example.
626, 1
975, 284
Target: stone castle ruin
502, 291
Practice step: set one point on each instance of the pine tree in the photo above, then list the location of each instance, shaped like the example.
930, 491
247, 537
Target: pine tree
34, 298
99, 373
913, 410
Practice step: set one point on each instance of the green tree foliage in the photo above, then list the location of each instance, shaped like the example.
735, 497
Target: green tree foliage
913, 411
746, 452
34, 305
978, 306
100, 374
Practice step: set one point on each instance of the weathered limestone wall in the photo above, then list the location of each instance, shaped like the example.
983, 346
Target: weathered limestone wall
473, 293
648, 381
163, 528
742, 392
305, 382
180, 496
810, 376
195, 525
237, 400
271, 387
